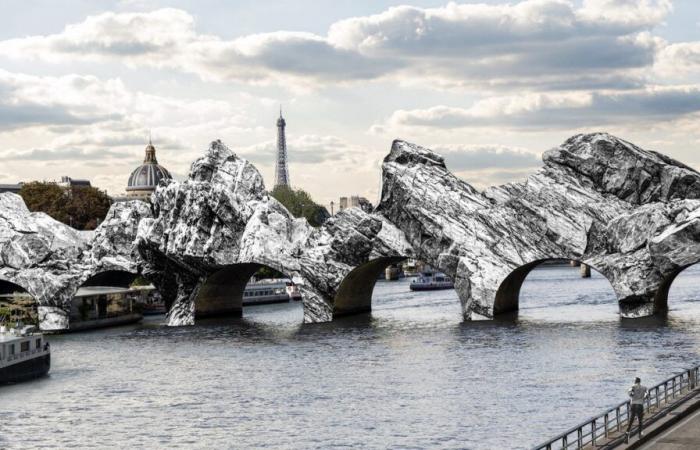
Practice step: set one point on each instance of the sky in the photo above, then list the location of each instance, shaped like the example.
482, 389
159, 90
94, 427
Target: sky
490, 85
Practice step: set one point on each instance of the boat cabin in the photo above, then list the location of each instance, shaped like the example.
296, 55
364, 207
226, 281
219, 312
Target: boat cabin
17, 345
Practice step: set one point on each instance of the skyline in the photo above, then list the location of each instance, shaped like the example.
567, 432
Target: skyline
490, 86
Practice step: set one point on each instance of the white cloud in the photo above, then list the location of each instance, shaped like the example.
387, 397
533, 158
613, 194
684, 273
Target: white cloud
458, 44
460, 158
556, 110
307, 149
679, 60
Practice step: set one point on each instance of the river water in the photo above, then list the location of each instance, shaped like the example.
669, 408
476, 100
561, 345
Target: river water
410, 375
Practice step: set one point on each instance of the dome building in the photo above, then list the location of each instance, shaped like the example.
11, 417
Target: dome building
144, 180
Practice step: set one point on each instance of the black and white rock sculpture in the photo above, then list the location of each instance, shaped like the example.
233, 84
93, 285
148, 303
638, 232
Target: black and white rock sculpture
630, 213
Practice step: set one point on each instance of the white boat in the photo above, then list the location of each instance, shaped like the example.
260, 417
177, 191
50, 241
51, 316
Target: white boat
431, 281
410, 268
23, 354
293, 290
262, 292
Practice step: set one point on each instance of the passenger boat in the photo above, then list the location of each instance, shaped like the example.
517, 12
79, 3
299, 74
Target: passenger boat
410, 268
23, 354
262, 292
431, 281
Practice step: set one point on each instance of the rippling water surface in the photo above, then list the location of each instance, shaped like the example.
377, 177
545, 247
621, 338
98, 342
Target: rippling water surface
410, 375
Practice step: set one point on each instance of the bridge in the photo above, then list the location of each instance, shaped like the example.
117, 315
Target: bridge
629, 213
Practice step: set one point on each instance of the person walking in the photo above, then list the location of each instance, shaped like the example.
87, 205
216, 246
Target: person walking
638, 392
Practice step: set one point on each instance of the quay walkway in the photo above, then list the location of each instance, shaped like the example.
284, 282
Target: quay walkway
685, 435
671, 421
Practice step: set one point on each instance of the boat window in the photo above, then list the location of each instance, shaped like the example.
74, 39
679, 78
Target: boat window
38, 343
24, 346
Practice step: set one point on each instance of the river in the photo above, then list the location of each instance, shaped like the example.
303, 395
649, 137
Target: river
410, 375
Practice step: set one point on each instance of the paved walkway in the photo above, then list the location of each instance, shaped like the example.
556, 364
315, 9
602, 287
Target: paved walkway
685, 435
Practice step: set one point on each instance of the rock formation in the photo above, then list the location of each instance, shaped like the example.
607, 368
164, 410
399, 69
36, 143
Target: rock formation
50, 260
598, 199
632, 214
212, 232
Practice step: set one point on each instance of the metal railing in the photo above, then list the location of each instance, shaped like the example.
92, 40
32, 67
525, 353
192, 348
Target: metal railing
599, 429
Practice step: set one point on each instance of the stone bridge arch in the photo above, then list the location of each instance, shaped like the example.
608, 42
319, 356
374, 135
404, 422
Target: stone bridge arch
661, 297
111, 277
507, 297
354, 295
220, 293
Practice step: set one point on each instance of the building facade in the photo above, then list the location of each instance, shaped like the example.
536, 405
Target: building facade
352, 202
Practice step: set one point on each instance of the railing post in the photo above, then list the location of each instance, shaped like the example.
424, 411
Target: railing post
617, 418
593, 430
657, 397
605, 423
673, 388
565, 442
580, 437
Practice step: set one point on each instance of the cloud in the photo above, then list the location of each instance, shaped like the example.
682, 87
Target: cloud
461, 158
603, 42
27, 101
679, 60
555, 110
64, 154
485, 178
309, 149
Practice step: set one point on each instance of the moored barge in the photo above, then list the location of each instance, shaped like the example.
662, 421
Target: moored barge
24, 355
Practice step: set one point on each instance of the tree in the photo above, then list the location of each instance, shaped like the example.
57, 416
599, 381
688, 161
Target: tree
82, 207
300, 204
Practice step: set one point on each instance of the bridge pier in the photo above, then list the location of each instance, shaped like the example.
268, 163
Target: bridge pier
585, 271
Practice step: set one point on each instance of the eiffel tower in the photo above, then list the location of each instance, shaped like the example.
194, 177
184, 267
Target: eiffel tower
281, 171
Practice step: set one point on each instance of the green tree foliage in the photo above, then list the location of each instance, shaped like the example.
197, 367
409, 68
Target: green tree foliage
300, 204
19, 307
140, 281
81, 207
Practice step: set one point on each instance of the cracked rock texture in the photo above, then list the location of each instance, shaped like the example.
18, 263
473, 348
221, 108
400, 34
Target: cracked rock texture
598, 199
630, 213
221, 219
51, 260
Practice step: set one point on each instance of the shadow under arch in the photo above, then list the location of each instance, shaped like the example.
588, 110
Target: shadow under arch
507, 301
108, 298
17, 303
221, 294
661, 296
112, 278
354, 295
